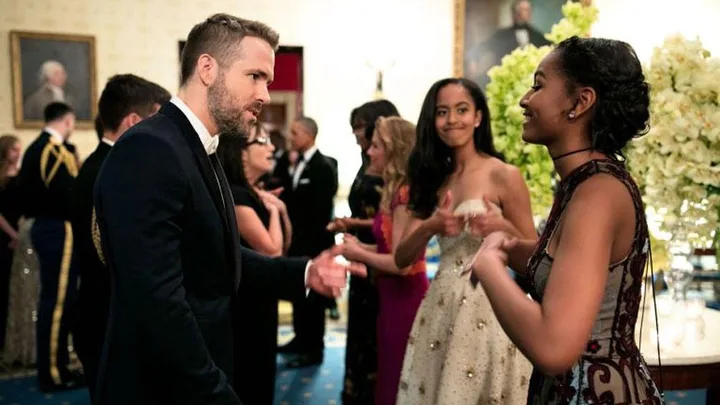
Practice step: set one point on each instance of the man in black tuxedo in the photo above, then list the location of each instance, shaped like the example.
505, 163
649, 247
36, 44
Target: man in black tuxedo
309, 199
168, 231
126, 100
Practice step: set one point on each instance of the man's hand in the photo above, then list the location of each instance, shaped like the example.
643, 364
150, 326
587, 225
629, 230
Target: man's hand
327, 276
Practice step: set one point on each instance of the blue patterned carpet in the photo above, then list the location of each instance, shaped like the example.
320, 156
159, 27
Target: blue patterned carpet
315, 385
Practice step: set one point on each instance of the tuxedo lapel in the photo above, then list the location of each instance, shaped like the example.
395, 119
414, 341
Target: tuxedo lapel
230, 214
201, 156
223, 203
307, 170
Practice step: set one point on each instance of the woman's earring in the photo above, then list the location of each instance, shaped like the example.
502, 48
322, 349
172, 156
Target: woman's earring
571, 115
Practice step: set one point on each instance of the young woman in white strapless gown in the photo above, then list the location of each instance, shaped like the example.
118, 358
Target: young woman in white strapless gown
457, 352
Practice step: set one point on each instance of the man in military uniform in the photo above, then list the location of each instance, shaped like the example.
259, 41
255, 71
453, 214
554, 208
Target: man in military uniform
46, 177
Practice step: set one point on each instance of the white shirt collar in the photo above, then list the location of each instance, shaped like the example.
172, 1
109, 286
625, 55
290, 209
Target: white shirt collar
309, 153
210, 143
522, 36
108, 141
55, 136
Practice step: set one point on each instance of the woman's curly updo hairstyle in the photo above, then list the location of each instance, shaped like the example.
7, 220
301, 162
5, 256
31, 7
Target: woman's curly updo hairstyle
613, 70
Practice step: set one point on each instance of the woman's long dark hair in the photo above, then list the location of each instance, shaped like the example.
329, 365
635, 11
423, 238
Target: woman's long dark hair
368, 113
432, 161
229, 154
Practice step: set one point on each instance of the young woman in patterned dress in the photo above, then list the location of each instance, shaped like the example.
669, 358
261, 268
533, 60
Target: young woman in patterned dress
588, 100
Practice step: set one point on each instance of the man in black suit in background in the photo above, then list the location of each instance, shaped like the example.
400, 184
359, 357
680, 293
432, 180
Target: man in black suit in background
126, 100
168, 231
309, 199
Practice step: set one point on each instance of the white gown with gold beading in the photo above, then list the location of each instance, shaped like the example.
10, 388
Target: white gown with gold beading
457, 353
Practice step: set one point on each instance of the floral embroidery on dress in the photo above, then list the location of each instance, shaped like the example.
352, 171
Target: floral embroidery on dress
611, 370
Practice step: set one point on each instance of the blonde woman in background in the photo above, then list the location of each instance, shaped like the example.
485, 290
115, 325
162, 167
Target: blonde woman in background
400, 290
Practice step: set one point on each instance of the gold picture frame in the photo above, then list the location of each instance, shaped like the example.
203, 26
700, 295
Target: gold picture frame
36, 57
474, 22
459, 38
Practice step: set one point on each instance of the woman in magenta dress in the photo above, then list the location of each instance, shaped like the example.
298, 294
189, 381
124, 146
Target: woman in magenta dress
400, 291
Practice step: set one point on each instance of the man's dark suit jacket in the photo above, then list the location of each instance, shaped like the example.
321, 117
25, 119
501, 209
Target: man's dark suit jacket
93, 300
169, 237
310, 206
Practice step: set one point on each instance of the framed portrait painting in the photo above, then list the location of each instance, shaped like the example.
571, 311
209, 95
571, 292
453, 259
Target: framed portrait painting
49, 67
487, 30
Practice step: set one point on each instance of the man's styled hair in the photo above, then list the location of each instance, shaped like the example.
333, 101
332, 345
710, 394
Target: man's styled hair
125, 94
219, 37
56, 110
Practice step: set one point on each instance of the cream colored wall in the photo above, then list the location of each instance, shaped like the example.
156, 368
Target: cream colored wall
644, 24
132, 36
339, 37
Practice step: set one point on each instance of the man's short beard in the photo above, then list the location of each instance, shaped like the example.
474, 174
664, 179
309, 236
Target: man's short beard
242, 135
227, 120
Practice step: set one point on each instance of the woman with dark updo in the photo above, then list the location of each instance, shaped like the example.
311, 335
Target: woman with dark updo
588, 100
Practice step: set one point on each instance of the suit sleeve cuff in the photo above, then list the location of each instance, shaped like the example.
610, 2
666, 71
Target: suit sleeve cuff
307, 268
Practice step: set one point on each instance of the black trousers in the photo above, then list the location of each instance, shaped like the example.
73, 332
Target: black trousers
88, 336
256, 318
53, 242
309, 323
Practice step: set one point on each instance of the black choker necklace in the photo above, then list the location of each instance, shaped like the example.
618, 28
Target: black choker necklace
570, 153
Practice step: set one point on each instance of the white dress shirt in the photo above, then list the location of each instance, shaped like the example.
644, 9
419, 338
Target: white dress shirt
107, 141
210, 142
302, 164
522, 36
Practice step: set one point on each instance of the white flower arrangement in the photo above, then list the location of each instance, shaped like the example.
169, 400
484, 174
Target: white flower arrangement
677, 163
508, 83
